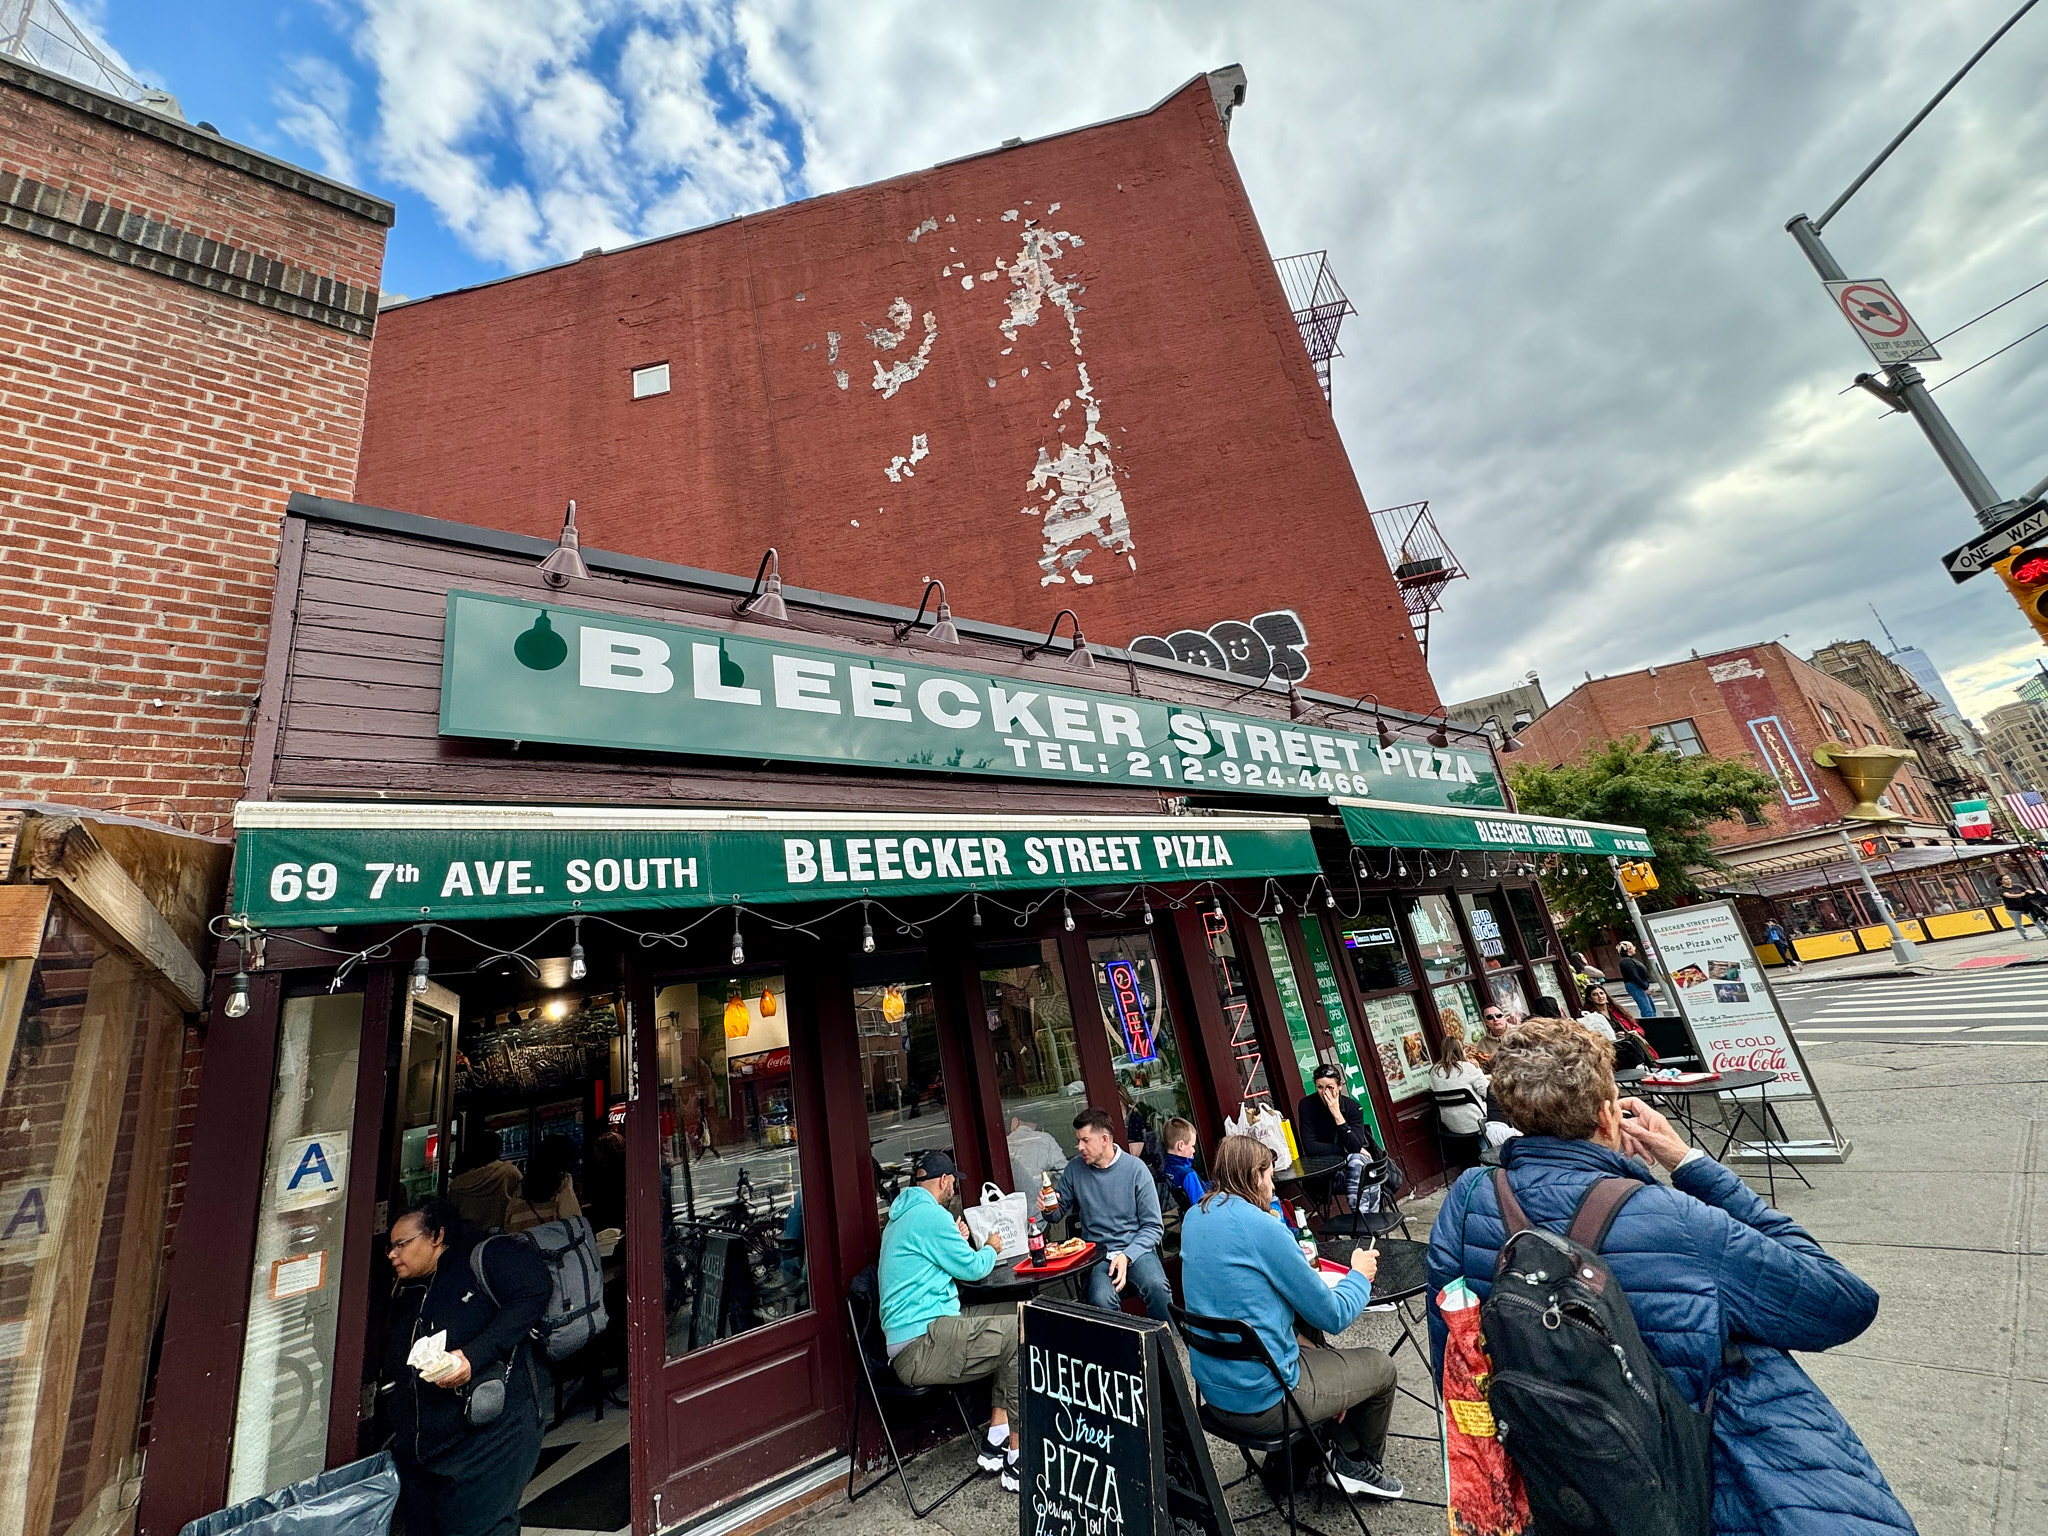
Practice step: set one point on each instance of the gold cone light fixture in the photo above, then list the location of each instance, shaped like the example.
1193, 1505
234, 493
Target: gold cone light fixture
1866, 770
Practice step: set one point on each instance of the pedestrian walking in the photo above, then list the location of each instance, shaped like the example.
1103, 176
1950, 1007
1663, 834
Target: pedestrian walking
1720, 1285
466, 1425
1637, 978
2020, 906
1777, 938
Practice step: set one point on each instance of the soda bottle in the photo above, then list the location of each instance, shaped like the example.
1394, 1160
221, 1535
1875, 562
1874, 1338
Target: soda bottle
1036, 1241
1303, 1235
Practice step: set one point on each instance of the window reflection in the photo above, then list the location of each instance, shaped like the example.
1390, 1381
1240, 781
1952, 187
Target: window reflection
1234, 992
1436, 936
734, 1256
1038, 1069
1529, 922
1373, 945
905, 1085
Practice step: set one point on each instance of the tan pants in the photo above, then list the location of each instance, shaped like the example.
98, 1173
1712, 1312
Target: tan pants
1333, 1380
979, 1344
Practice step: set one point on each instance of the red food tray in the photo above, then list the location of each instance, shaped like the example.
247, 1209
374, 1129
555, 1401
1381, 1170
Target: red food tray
1026, 1270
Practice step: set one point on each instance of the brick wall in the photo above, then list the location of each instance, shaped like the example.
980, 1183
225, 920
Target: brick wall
1755, 682
184, 341
497, 405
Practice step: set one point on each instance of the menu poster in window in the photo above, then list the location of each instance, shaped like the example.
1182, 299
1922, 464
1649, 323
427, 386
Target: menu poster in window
1404, 1051
1726, 999
1339, 1020
1289, 990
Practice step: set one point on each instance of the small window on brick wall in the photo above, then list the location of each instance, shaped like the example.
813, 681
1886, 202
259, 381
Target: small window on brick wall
649, 381
1680, 737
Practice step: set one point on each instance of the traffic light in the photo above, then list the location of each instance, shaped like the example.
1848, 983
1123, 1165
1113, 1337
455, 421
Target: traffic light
1638, 879
2025, 574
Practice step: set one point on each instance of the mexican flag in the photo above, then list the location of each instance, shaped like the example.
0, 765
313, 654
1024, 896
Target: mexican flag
1973, 817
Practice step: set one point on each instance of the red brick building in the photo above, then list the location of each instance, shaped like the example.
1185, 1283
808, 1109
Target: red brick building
1760, 704
1059, 374
184, 341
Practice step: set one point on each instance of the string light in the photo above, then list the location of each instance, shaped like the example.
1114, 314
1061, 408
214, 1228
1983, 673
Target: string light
867, 931
419, 966
577, 969
1145, 901
238, 996
1329, 898
1066, 913
1279, 902
1216, 903
977, 909
739, 949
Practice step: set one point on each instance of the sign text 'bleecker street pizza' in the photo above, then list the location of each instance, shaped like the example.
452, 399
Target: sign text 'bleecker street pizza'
296, 864
518, 671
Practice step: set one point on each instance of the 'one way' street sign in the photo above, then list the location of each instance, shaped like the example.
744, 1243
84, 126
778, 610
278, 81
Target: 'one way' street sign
1980, 555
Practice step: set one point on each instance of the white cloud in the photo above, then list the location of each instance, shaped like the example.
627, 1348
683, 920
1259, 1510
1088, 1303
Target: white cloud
313, 113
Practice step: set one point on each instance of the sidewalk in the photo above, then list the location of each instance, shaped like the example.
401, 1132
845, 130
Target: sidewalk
1979, 951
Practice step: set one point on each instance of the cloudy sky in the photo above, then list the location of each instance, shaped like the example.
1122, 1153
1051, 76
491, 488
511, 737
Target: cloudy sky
1582, 332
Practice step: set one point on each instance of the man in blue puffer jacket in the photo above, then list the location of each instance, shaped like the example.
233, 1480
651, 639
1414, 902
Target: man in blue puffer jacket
1704, 1263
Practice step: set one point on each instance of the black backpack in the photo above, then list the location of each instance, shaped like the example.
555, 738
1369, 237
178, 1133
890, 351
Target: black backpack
1604, 1440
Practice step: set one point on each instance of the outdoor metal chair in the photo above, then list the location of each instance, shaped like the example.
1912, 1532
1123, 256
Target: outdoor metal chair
864, 1318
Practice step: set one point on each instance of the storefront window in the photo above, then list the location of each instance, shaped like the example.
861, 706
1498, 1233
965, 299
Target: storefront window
1457, 1009
1436, 936
1233, 991
1504, 989
1487, 921
423, 1086
1338, 1018
1529, 921
1373, 945
1397, 1035
295, 1289
1288, 986
1038, 1069
1548, 984
898, 1025
733, 1249
1144, 1049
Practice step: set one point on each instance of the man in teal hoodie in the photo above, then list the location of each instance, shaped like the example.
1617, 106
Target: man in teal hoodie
932, 1342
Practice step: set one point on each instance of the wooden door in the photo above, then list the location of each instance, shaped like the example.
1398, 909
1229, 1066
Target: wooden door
736, 1332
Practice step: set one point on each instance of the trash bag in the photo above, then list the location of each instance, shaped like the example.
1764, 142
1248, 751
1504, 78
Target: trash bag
356, 1500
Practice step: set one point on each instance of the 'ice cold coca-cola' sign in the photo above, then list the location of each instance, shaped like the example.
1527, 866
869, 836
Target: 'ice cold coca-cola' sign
1722, 991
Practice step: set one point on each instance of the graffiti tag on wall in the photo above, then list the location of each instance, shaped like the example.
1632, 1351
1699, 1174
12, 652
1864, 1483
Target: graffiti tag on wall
1271, 645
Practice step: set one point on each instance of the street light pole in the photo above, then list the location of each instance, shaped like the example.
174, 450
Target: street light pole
1905, 389
1635, 916
1903, 952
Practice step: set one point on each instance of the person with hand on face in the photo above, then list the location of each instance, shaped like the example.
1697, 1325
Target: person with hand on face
1117, 1201
1721, 1285
458, 1477
932, 1342
1329, 1123
1238, 1262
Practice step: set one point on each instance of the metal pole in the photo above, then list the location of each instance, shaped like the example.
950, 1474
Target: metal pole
1635, 916
1903, 952
1907, 384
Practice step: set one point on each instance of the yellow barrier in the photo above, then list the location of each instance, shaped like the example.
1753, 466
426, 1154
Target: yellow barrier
1825, 946
1770, 954
1955, 925
2001, 917
1877, 937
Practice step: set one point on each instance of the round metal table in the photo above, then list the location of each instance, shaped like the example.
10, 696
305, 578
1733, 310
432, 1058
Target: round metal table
1003, 1283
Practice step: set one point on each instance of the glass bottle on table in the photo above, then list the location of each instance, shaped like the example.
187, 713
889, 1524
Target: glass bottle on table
1036, 1242
1304, 1235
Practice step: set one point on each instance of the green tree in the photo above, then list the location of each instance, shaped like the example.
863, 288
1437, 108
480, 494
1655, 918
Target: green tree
1675, 799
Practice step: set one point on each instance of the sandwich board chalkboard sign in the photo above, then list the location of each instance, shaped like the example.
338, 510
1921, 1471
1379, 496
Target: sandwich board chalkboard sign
1111, 1445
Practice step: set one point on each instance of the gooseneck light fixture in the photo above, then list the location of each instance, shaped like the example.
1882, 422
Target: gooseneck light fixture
1078, 658
1506, 740
942, 631
565, 561
764, 598
1440, 737
1379, 721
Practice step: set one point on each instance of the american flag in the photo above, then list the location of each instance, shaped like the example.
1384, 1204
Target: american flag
2032, 809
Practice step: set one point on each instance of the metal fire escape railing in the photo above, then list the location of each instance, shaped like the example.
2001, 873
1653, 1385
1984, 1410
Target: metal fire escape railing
1319, 307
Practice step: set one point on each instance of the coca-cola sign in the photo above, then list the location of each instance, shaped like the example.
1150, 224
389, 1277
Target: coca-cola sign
1721, 988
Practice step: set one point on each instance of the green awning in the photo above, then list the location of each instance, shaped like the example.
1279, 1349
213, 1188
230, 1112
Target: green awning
1422, 826
299, 864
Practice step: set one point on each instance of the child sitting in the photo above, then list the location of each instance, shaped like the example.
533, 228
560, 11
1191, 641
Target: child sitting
1181, 1178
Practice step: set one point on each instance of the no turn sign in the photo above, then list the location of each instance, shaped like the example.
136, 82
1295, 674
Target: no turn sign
1892, 335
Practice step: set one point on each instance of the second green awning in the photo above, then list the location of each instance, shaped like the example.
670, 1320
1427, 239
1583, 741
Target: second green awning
1417, 826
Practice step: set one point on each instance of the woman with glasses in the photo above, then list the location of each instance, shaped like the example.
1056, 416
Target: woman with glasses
466, 1423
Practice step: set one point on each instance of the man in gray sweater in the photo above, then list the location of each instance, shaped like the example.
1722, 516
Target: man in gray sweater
1118, 1204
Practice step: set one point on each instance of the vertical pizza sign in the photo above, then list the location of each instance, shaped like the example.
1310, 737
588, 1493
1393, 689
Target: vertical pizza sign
1733, 1014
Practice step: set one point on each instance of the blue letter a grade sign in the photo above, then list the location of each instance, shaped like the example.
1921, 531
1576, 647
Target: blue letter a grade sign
311, 1170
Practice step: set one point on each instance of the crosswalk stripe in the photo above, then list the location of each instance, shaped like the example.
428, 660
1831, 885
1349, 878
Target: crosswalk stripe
1895, 1029
1846, 1015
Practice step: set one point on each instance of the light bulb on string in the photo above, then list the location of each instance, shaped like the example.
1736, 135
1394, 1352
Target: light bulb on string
1216, 905
1402, 872
238, 996
1463, 872
577, 968
867, 931
1066, 913
419, 967
977, 910
1279, 902
739, 949
1145, 902
1329, 898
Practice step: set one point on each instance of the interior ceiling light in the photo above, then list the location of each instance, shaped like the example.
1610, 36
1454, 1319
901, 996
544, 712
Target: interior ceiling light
764, 598
738, 1022
565, 561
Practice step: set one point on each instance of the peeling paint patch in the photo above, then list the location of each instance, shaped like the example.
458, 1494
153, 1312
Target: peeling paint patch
1052, 208
839, 377
900, 468
890, 380
887, 337
1010, 216
967, 281
832, 344
929, 227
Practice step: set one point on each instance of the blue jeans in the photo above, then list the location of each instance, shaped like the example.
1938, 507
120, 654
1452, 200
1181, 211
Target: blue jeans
1644, 1006
1145, 1273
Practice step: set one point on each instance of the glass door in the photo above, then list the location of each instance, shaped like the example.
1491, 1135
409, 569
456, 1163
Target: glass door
426, 1056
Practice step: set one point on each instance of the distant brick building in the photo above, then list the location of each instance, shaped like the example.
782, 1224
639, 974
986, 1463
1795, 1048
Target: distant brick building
2018, 733
1060, 374
184, 341
1913, 712
1759, 704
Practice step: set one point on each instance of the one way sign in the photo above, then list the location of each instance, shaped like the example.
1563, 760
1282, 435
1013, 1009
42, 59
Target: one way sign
1875, 312
1980, 555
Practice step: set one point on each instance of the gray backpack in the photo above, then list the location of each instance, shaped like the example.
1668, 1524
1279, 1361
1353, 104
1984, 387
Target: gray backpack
575, 1314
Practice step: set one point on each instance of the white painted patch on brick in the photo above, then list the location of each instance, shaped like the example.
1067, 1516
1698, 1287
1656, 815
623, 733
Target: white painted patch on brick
900, 468
929, 227
889, 380
1010, 216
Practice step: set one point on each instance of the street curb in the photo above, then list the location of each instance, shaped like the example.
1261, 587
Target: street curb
1911, 970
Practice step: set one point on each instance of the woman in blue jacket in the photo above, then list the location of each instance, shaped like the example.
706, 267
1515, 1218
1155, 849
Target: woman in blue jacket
1237, 1261
1704, 1263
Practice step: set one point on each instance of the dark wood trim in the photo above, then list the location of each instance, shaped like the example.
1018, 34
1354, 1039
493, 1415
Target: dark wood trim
982, 1080
1211, 1029
1184, 977
964, 1109
278, 658
199, 1378
1319, 1027
1091, 1039
1282, 1070
358, 1245
646, 1293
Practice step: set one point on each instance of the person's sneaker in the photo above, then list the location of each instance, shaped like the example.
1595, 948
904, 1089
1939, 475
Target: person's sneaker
1009, 1474
1368, 1478
990, 1458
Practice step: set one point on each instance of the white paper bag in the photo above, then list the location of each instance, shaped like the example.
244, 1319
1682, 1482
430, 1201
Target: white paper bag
1003, 1215
1267, 1125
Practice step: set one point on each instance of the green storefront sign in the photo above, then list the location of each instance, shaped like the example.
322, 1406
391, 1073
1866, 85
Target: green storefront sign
329, 865
1339, 1020
520, 671
1415, 826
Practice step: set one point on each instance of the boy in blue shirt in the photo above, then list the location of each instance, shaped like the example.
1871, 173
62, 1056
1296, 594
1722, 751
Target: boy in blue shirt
1181, 1177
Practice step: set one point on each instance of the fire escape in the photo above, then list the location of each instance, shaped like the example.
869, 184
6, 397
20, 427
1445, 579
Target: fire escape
1423, 563
1319, 307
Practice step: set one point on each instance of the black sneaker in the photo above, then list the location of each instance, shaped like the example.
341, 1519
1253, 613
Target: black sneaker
1367, 1478
991, 1456
1009, 1474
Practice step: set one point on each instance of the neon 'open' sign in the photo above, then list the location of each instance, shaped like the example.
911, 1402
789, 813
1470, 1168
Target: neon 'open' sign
1122, 977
